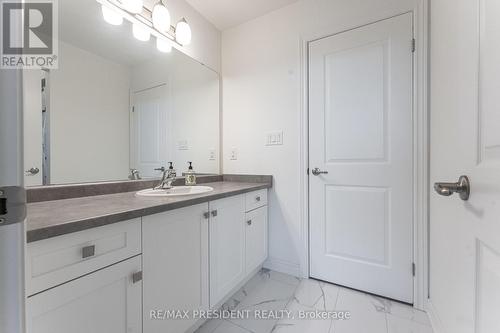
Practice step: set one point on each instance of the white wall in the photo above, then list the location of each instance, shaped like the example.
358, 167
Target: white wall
206, 43
262, 78
89, 119
193, 99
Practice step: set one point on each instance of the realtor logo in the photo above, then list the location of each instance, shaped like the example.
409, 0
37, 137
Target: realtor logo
29, 34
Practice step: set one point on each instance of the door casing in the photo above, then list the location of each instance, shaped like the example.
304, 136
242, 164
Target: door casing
420, 151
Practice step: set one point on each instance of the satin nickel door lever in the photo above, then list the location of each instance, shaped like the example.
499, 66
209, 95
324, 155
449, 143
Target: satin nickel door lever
462, 187
318, 171
32, 171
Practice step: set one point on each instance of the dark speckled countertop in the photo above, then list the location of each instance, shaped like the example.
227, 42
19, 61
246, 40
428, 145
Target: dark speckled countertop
48, 219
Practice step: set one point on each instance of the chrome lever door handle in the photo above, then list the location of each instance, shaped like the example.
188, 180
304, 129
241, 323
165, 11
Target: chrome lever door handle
318, 171
33, 171
462, 187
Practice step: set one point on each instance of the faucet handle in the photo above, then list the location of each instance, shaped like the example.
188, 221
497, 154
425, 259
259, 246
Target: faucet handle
162, 169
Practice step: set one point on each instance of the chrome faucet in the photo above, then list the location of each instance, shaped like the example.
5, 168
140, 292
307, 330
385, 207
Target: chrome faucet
168, 177
134, 174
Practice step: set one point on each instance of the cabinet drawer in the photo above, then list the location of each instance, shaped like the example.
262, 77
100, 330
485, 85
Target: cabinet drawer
255, 199
53, 261
106, 301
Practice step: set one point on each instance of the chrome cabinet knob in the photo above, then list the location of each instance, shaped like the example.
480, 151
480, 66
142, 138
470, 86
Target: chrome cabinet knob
462, 187
318, 171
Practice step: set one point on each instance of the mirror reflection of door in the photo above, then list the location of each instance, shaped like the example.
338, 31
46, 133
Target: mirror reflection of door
149, 123
33, 125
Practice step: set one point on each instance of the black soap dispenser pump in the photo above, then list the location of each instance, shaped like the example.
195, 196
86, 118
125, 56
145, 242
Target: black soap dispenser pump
190, 175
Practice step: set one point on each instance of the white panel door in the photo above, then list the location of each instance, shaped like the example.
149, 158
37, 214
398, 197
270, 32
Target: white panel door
360, 118
175, 261
227, 246
107, 301
32, 118
149, 131
465, 140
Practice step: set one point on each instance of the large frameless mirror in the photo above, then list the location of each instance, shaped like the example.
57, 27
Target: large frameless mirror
116, 104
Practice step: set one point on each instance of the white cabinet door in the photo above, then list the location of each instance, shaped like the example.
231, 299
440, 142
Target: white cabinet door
175, 256
227, 246
107, 301
256, 238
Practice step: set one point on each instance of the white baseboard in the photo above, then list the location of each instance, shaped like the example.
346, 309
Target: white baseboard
283, 266
437, 325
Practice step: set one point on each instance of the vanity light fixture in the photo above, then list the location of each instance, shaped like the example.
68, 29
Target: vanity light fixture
133, 6
140, 32
146, 22
163, 45
111, 16
161, 17
183, 32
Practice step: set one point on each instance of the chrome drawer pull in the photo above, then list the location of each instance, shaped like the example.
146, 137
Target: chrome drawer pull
249, 222
136, 277
88, 251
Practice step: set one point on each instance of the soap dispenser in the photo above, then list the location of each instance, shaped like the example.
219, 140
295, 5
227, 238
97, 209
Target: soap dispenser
190, 175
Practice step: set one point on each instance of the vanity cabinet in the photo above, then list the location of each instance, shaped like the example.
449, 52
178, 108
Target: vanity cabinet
227, 246
124, 277
175, 263
106, 301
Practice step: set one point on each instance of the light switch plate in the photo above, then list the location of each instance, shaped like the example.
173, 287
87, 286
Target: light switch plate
211, 155
274, 138
233, 155
182, 145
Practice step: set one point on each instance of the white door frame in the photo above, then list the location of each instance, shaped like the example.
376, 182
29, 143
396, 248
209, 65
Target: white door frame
420, 152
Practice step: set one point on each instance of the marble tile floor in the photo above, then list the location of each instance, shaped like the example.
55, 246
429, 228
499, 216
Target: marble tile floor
290, 298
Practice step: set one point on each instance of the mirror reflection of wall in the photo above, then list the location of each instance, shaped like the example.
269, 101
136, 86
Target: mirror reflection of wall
116, 104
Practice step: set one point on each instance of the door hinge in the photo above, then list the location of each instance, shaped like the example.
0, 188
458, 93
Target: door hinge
413, 268
413, 45
133, 109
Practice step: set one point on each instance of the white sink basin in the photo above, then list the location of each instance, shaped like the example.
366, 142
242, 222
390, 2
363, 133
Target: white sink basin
175, 191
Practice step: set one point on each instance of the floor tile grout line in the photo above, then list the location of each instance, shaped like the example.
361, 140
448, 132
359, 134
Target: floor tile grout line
239, 325
409, 319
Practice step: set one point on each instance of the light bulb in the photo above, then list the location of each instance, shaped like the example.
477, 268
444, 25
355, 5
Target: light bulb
111, 16
163, 45
133, 6
161, 18
140, 32
183, 32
